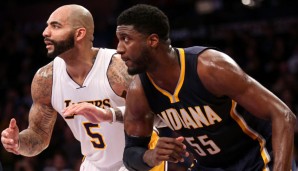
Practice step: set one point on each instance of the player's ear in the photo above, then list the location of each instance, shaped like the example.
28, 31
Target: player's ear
153, 40
80, 34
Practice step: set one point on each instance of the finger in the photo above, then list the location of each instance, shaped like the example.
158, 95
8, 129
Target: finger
170, 158
170, 143
166, 158
67, 113
10, 146
8, 133
86, 109
12, 123
80, 109
171, 154
67, 108
173, 160
12, 151
4, 133
64, 110
176, 141
71, 110
180, 138
174, 148
71, 106
9, 141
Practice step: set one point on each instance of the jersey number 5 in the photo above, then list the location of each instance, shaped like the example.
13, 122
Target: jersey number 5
96, 138
209, 145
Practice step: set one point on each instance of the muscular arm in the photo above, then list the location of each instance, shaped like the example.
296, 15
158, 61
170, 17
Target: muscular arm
119, 80
42, 116
138, 120
222, 76
118, 77
138, 126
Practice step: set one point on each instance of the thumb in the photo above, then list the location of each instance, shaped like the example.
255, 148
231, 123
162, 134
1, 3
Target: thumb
180, 139
13, 124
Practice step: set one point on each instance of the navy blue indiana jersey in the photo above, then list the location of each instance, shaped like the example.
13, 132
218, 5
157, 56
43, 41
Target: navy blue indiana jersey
220, 134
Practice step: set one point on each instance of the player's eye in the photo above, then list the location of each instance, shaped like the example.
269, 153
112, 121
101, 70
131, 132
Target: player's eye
125, 39
56, 26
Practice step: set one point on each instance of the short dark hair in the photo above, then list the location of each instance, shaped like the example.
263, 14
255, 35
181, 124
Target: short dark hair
146, 19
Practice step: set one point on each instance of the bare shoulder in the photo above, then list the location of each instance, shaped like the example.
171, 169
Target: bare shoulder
42, 116
118, 77
41, 87
217, 71
213, 59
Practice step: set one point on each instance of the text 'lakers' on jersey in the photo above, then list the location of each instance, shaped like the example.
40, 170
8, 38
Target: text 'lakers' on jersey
213, 127
97, 140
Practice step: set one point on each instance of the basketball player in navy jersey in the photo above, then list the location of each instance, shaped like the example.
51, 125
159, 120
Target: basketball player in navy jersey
226, 119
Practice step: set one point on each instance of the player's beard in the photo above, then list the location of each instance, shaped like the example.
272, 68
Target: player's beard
140, 63
62, 46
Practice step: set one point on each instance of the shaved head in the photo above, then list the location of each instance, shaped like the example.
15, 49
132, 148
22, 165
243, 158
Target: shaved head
68, 27
77, 16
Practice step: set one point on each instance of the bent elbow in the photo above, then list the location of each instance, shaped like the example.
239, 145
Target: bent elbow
291, 118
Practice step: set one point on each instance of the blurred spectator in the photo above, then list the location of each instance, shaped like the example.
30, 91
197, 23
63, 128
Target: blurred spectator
58, 162
25, 164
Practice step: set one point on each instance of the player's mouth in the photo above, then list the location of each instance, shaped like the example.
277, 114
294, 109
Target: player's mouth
125, 59
127, 62
48, 43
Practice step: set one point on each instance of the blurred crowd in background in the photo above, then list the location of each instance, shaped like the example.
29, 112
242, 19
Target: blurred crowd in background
261, 35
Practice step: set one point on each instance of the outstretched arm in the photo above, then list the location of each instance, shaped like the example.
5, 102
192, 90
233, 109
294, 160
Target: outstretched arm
95, 114
222, 76
42, 117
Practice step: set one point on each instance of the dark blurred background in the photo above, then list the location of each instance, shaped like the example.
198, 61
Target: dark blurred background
261, 35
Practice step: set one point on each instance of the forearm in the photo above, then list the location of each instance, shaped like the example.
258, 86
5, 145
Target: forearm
31, 143
117, 114
133, 159
148, 159
135, 148
283, 141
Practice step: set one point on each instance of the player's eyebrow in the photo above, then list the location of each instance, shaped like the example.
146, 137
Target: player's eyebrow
54, 23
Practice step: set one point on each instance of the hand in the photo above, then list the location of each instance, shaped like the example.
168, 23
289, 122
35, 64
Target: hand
166, 149
10, 137
89, 111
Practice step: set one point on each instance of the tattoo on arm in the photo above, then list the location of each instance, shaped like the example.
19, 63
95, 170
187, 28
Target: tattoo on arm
36, 138
42, 116
118, 77
119, 114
